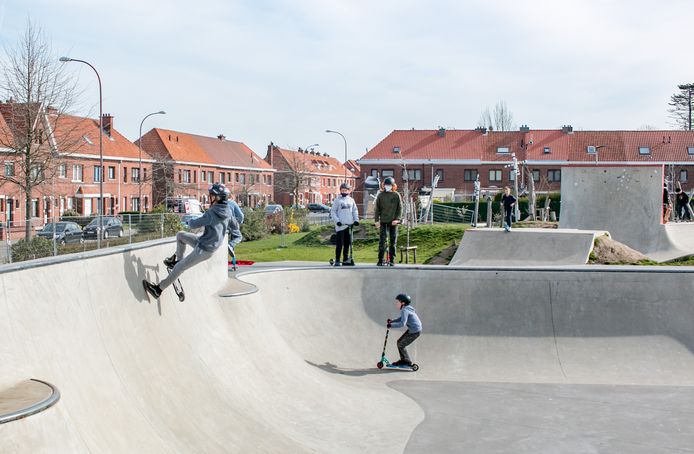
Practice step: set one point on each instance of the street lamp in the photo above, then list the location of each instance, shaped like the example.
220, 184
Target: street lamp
343, 138
100, 205
139, 147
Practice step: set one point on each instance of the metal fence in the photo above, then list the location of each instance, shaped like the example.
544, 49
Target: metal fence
449, 214
80, 234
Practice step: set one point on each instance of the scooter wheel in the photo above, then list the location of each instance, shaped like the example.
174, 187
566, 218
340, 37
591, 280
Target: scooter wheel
379, 364
332, 261
415, 367
181, 297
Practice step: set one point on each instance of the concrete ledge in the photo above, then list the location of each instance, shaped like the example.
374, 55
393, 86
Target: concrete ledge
525, 247
27, 398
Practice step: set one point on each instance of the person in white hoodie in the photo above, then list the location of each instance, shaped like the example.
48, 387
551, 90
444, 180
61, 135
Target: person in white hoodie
344, 213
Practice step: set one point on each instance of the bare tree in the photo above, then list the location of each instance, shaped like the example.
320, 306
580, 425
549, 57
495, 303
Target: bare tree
295, 177
500, 119
33, 134
681, 107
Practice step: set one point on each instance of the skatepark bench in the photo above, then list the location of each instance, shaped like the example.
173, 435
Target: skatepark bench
407, 251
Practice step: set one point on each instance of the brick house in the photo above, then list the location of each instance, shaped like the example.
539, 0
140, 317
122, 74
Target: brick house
186, 164
314, 176
459, 156
73, 173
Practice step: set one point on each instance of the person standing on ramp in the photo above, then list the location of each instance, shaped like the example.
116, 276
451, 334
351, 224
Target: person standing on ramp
345, 215
387, 212
509, 204
216, 220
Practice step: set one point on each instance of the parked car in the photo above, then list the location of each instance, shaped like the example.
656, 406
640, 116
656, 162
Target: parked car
271, 210
65, 232
318, 208
112, 227
187, 217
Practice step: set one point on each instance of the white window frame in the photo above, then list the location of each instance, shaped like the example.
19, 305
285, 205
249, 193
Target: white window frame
503, 150
686, 175
9, 165
591, 149
98, 172
690, 151
497, 173
644, 151
62, 170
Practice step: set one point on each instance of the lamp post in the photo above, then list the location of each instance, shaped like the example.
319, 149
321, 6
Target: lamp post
139, 171
100, 204
343, 138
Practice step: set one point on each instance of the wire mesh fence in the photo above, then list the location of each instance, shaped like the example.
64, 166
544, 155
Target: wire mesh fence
83, 233
449, 214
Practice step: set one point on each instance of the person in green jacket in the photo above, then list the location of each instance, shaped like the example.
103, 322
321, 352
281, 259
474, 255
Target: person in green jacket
387, 217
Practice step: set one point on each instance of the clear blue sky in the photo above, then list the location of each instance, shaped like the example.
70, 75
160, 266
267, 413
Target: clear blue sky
287, 70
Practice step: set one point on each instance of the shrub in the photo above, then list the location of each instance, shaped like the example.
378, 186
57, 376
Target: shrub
293, 228
157, 220
35, 248
254, 226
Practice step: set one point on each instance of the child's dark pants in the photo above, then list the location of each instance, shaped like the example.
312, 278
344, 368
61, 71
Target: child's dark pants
391, 232
405, 340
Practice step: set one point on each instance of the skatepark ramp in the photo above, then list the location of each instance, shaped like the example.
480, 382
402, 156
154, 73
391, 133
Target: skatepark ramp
525, 247
627, 202
511, 360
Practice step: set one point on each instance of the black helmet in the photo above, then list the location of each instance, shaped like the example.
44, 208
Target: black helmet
345, 186
389, 180
405, 299
220, 191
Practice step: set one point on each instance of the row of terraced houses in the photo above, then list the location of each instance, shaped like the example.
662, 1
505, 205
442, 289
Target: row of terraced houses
171, 164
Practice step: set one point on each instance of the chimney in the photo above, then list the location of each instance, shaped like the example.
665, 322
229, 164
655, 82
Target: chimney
442, 132
107, 121
482, 129
524, 128
567, 129
221, 137
268, 158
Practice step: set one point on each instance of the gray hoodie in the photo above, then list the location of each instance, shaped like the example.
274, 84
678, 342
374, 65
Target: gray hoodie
408, 317
216, 220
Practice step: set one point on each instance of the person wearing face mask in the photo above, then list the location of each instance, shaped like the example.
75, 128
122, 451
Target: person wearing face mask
344, 214
387, 217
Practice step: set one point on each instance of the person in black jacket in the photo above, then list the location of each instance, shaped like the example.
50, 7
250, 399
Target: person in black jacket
509, 204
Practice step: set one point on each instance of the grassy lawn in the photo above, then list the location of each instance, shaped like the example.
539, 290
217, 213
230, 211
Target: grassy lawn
315, 245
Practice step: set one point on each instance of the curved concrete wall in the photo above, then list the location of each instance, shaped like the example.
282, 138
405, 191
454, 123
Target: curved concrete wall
291, 367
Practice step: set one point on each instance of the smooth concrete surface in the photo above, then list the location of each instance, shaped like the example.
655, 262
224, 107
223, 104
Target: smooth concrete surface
525, 247
627, 201
291, 367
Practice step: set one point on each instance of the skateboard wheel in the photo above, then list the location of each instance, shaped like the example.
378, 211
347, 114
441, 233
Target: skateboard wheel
181, 297
379, 364
415, 367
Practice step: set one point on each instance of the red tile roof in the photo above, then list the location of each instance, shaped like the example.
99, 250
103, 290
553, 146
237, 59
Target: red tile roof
314, 163
184, 147
473, 145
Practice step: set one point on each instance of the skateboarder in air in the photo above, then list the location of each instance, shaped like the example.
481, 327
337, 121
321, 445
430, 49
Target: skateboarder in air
408, 317
344, 214
509, 204
216, 220
387, 217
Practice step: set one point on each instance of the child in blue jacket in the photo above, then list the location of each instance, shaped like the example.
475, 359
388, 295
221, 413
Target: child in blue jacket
408, 317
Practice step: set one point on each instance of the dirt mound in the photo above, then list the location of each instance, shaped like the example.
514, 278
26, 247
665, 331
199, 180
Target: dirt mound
607, 251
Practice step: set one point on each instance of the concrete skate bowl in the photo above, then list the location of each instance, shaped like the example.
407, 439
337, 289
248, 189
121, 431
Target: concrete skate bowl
511, 360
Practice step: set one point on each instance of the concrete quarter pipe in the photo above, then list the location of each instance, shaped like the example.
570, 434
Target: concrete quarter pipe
545, 360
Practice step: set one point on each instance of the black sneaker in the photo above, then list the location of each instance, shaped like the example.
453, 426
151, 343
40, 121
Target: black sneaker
170, 262
348, 263
152, 289
337, 263
391, 263
397, 363
380, 263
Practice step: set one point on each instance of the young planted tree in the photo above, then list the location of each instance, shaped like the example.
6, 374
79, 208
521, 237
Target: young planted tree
33, 136
681, 107
294, 176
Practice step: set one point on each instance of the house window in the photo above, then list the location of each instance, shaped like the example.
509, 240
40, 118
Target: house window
269, 179
512, 175
495, 175
125, 175
502, 149
111, 173
470, 175
77, 172
536, 174
553, 175
412, 174
35, 208
195, 176
546, 150
135, 175
136, 204
62, 171
242, 178
203, 176
97, 174
221, 177
9, 169
186, 176
144, 176
387, 173
683, 175
690, 150
229, 177
252, 179
590, 149
374, 172
210, 176
439, 173
644, 150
